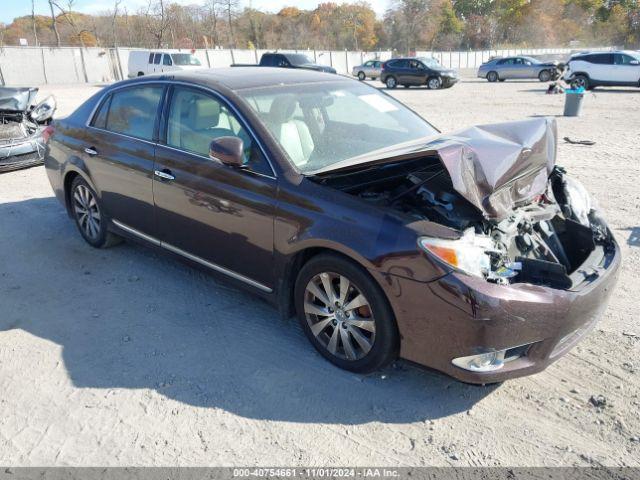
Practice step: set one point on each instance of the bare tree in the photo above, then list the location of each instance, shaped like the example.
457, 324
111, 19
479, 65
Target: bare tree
68, 16
157, 21
127, 27
231, 10
33, 23
114, 22
54, 23
213, 13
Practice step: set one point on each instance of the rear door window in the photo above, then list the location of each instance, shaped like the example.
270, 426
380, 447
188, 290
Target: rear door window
156, 59
166, 60
131, 111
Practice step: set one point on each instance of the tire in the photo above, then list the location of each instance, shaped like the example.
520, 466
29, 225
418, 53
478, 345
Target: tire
502, 80
93, 225
391, 82
373, 345
493, 76
140, 74
434, 83
580, 81
361, 76
544, 76
406, 86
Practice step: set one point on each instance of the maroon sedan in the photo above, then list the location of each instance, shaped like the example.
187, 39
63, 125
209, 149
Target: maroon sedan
471, 253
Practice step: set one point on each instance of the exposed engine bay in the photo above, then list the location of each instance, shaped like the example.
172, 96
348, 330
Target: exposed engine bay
22, 125
555, 239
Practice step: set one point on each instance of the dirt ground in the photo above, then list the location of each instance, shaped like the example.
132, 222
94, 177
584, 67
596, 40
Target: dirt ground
126, 357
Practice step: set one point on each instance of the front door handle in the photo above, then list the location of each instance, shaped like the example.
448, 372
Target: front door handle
164, 174
91, 151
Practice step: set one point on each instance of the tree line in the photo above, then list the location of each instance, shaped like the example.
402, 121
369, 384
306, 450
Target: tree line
406, 26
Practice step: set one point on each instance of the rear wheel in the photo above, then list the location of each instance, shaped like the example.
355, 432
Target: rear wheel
434, 83
361, 76
406, 86
89, 215
391, 82
345, 315
544, 76
492, 77
140, 74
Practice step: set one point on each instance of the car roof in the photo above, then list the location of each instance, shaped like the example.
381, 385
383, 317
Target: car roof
239, 78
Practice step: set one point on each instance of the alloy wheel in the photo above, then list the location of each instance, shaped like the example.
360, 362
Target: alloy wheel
87, 211
434, 83
391, 82
492, 77
361, 76
545, 76
339, 316
579, 82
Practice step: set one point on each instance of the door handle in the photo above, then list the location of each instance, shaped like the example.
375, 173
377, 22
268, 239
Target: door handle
91, 151
164, 174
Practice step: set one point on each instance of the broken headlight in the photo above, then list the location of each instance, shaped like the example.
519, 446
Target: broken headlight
579, 200
469, 254
44, 110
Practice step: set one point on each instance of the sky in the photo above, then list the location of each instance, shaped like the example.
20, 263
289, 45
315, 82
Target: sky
9, 9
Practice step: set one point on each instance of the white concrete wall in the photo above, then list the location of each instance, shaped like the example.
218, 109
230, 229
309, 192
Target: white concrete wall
26, 66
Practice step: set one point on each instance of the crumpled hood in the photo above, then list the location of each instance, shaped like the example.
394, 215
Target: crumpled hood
501, 166
16, 99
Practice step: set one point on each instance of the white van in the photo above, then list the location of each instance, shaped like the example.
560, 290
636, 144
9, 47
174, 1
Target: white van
146, 62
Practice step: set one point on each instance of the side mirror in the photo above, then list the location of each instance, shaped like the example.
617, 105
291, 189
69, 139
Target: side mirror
228, 150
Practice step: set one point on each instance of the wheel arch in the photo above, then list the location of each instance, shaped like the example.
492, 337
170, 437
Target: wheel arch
70, 175
293, 265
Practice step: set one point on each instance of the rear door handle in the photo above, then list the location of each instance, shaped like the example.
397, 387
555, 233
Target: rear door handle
164, 174
91, 151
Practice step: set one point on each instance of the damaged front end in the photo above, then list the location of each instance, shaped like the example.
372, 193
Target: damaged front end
23, 127
518, 217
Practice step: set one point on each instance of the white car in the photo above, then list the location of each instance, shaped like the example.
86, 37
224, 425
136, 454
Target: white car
600, 69
146, 62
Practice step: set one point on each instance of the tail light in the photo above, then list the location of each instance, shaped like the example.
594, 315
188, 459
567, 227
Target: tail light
47, 133
384, 66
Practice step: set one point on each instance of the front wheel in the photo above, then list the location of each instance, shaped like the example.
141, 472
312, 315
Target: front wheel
544, 76
89, 215
361, 76
492, 77
580, 81
391, 82
345, 314
434, 83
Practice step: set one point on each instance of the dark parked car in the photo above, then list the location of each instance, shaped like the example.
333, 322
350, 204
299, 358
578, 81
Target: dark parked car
288, 60
410, 72
471, 253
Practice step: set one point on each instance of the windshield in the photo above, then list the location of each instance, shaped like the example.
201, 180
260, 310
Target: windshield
185, 59
325, 125
430, 62
298, 59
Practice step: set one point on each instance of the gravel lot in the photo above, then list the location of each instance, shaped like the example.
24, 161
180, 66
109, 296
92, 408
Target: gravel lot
126, 357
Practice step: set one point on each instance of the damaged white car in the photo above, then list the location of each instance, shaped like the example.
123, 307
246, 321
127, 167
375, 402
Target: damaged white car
23, 127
